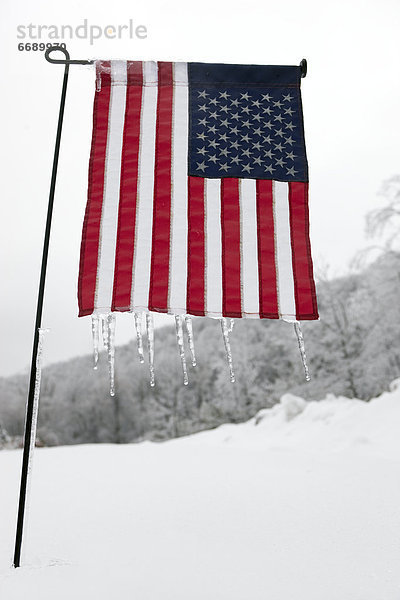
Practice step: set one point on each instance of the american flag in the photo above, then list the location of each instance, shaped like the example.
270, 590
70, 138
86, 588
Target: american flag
198, 193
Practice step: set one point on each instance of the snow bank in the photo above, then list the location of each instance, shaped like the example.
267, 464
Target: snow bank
288, 505
333, 424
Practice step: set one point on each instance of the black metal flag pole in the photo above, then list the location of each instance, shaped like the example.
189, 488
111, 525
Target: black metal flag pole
30, 432
30, 428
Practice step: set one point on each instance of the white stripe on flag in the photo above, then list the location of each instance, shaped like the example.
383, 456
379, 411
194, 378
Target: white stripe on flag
248, 248
213, 248
112, 175
179, 191
283, 252
144, 214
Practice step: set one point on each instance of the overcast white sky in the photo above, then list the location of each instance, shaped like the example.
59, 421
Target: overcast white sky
351, 100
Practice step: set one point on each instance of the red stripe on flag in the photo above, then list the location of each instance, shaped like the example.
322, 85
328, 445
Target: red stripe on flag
304, 287
91, 224
230, 224
266, 251
159, 276
128, 190
196, 247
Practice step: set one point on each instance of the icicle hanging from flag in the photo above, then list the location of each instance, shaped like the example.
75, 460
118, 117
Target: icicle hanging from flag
197, 199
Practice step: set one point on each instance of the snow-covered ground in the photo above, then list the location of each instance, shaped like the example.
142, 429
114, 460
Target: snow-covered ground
300, 503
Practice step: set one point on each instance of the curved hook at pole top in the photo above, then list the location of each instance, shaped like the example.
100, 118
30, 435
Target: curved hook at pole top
303, 67
57, 61
67, 60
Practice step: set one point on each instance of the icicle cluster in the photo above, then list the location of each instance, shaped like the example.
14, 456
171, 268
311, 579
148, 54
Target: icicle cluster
180, 321
103, 332
150, 340
103, 328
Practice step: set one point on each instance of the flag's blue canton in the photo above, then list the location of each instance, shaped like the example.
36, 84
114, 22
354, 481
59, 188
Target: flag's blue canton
247, 129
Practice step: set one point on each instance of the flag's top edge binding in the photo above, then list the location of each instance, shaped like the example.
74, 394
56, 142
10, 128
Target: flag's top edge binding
225, 73
256, 65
